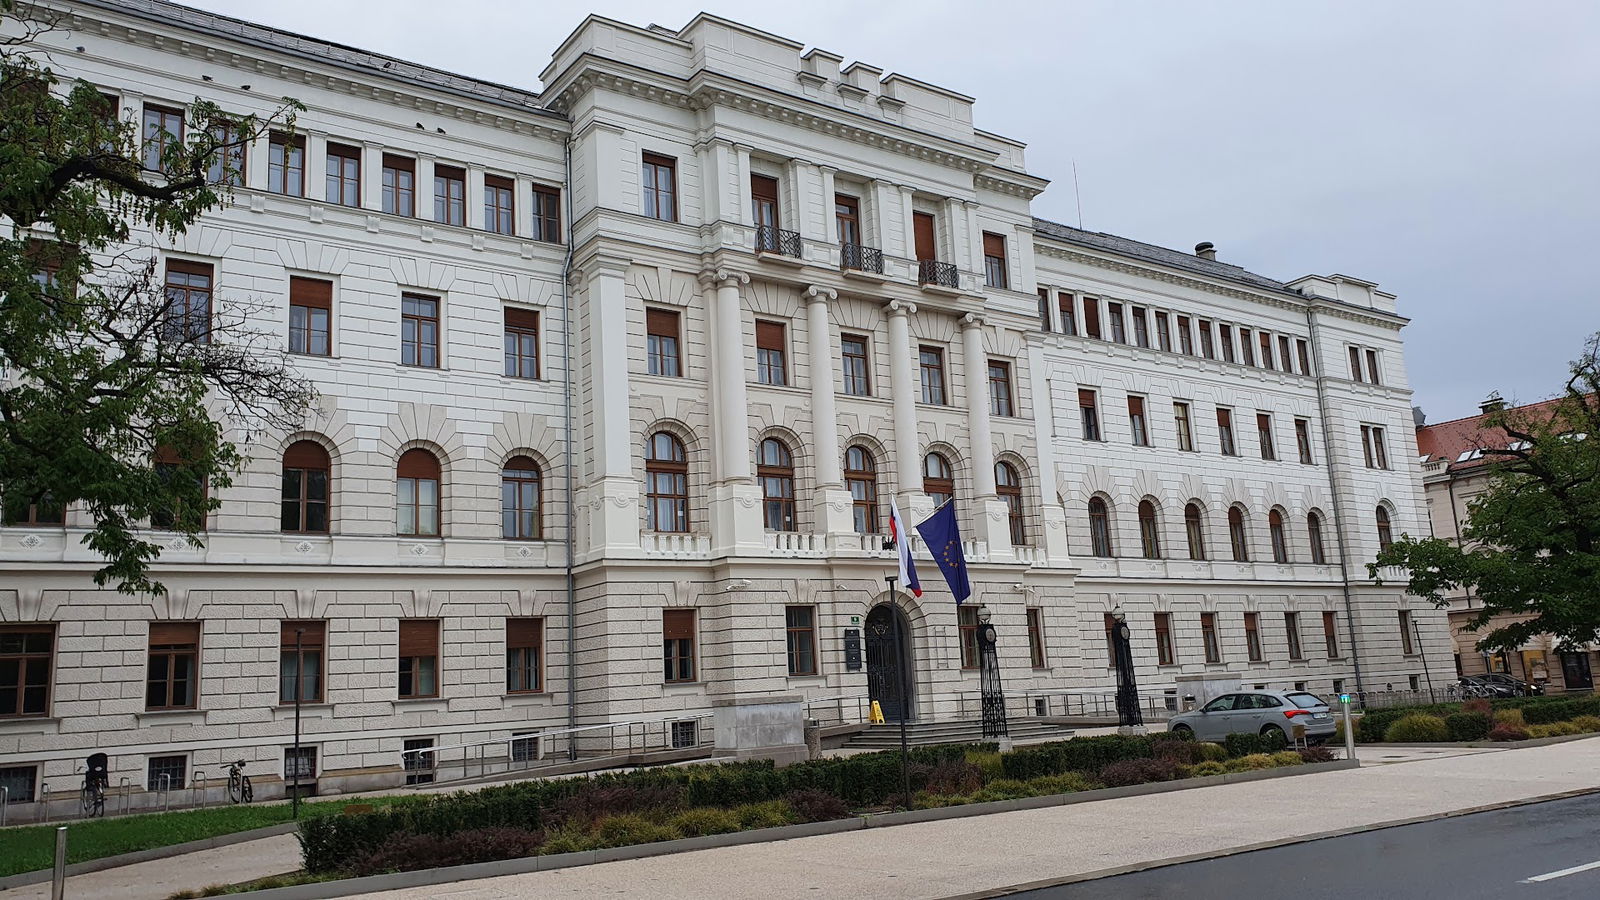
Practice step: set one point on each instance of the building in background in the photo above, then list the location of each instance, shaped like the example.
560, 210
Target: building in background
1454, 471
797, 289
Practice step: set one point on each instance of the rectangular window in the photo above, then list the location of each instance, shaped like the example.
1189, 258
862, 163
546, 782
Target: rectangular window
419, 331
1114, 318
399, 185
344, 175
227, 164
1044, 310
1247, 353
299, 766
1206, 349
659, 184
521, 343
1330, 633
661, 342
1000, 389
1225, 432
22, 510
771, 353
1285, 361
994, 260
1407, 645
853, 352
1141, 326
1303, 350
1372, 367
1208, 637
931, 363
524, 656
677, 651
1164, 654
1225, 338
764, 206
19, 782
1266, 349
1036, 638
1163, 332
546, 214
449, 195
300, 664
499, 204
967, 624
1291, 627
800, 630
187, 316
163, 129
172, 677
1067, 305
1180, 419
310, 316
286, 164
166, 773
1372, 447
847, 217
1355, 363
1136, 421
1089, 413
26, 653
1185, 340
418, 658
417, 760
1091, 317
1269, 449
1302, 439
1252, 636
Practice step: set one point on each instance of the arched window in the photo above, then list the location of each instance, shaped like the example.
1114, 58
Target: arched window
666, 470
1241, 551
1195, 531
417, 494
861, 478
1280, 544
305, 489
938, 479
1314, 536
1099, 527
1008, 485
1149, 537
521, 494
1385, 532
775, 469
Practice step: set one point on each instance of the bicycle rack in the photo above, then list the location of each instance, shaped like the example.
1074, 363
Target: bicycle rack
44, 801
197, 782
124, 788
164, 788
5, 802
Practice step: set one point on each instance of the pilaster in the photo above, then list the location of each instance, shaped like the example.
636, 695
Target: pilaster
475, 214
736, 524
610, 497
316, 164
833, 501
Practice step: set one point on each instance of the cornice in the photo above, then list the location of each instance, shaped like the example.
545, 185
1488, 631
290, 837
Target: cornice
1128, 268
1019, 185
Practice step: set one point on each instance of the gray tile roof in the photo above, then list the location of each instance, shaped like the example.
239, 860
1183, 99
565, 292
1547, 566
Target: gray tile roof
325, 52
1175, 259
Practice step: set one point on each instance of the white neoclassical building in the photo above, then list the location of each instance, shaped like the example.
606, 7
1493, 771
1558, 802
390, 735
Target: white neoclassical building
617, 380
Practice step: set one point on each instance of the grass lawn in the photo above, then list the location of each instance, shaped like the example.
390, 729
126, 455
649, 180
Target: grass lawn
33, 847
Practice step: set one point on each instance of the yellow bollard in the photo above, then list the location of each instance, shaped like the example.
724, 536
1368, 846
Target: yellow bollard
877, 713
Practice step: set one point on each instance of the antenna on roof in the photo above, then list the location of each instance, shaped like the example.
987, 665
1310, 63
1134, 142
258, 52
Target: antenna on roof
1077, 193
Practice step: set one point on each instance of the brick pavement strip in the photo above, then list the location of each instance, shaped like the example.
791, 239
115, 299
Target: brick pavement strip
964, 856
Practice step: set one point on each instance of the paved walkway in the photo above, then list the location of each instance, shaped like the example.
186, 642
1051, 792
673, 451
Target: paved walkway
962, 856
161, 878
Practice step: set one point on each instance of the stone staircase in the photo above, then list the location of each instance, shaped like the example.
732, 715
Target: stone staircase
922, 734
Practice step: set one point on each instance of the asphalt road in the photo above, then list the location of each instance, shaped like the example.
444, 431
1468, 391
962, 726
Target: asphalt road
1485, 855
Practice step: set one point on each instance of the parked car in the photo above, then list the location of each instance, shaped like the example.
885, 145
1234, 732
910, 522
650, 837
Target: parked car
1257, 712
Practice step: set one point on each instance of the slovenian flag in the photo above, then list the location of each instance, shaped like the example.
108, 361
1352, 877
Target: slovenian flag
902, 546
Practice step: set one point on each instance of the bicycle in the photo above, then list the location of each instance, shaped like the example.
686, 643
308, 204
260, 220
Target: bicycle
92, 796
239, 789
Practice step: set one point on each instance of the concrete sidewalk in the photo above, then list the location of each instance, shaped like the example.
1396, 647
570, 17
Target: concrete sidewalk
965, 856
161, 878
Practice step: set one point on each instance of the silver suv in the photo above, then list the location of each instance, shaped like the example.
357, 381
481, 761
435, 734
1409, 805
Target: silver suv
1257, 712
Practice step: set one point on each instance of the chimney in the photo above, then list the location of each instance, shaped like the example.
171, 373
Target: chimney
1205, 250
1492, 403
1418, 417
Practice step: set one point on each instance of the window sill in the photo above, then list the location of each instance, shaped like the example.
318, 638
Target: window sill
813, 677
171, 716
521, 698
425, 704
30, 725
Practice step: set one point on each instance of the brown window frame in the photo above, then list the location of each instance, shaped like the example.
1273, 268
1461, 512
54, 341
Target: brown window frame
302, 461
1385, 527
1319, 553
1119, 331
525, 655
1373, 371
1149, 530
17, 648
856, 368
1183, 424
1036, 654
1247, 351
1408, 644
772, 353
1111, 644
663, 342
1330, 634
1285, 358
155, 137
181, 295
286, 164
1252, 637
42, 511
1100, 542
775, 474
1291, 629
1225, 438
672, 471
417, 339
1238, 536
173, 642
847, 218
931, 377
1163, 331
547, 214
1194, 531
1185, 337
399, 195
1206, 348
1279, 538
678, 646
1302, 438
419, 467
1208, 637
1089, 414
311, 302
499, 204
1067, 307
1138, 424
651, 194
417, 642
1225, 341
1166, 653
1091, 318
864, 513
521, 516
1000, 399
228, 162
764, 209
313, 645
800, 642
1265, 340
1303, 350
1269, 446
521, 343
450, 195
994, 261
1141, 326
1355, 363
941, 484
967, 634
346, 178
1008, 487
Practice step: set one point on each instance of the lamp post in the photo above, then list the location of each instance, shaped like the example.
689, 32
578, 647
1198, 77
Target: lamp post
900, 688
1128, 714
994, 700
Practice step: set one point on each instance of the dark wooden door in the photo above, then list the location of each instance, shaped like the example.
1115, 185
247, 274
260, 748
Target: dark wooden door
922, 225
886, 661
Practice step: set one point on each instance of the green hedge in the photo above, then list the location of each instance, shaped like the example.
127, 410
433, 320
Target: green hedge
1466, 726
1248, 744
1085, 754
1555, 709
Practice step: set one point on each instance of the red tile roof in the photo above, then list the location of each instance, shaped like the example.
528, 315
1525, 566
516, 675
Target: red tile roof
1449, 440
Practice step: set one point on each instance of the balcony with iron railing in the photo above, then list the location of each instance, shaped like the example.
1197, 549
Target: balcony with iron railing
933, 273
854, 257
770, 239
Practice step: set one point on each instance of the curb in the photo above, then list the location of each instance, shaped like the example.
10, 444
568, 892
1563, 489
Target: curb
40, 876
1486, 745
451, 874
1130, 869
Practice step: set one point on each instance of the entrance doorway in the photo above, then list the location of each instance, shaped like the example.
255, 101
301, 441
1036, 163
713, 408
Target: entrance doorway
1575, 671
889, 680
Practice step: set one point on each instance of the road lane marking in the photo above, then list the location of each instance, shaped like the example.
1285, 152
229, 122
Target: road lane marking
1551, 876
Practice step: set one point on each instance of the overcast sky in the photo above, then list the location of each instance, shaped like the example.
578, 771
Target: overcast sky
1448, 150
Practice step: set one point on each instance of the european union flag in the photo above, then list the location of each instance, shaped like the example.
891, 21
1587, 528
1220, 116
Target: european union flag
943, 537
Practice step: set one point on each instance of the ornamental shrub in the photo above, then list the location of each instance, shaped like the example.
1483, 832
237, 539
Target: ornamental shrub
1085, 754
954, 777
1554, 729
1479, 705
1070, 783
1138, 771
1210, 752
1587, 724
1238, 745
632, 828
771, 814
1287, 758
1417, 729
988, 763
1316, 754
816, 806
1207, 768
1251, 763
567, 839
408, 852
704, 820
1559, 709
1468, 726
1515, 718
1507, 732
1003, 789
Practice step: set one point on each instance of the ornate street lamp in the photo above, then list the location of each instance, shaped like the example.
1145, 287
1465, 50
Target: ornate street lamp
1128, 714
994, 700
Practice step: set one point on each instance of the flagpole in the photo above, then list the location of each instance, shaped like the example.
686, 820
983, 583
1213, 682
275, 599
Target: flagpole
900, 657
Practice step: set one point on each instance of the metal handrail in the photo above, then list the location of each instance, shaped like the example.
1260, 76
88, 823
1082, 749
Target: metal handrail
860, 258
638, 733
770, 239
943, 274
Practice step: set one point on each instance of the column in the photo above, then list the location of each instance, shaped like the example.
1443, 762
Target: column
735, 498
611, 495
903, 390
989, 511
833, 501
